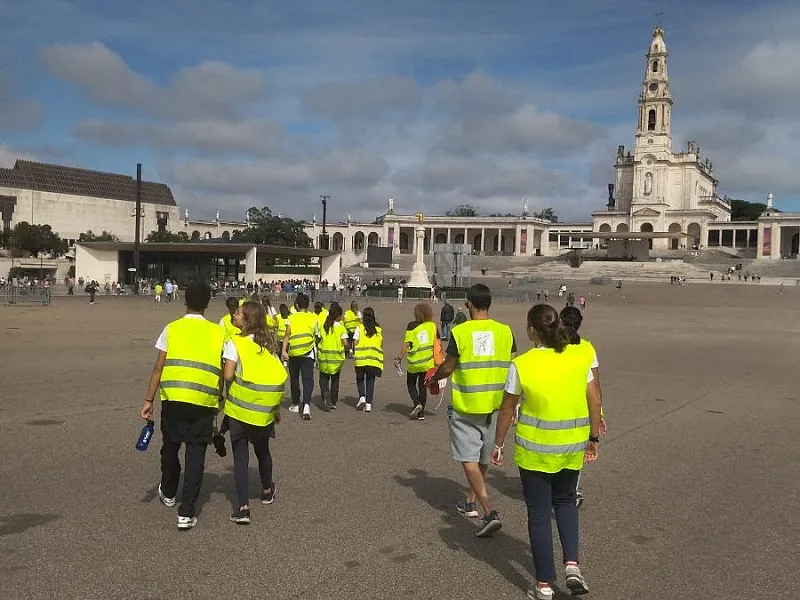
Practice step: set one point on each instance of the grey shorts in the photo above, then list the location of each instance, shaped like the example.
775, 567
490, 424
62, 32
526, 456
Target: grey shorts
471, 436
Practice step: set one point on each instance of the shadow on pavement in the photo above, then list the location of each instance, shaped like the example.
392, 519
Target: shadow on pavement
505, 554
396, 407
508, 485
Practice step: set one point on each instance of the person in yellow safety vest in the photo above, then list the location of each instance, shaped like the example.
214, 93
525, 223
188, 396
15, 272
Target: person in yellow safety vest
418, 350
332, 346
226, 322
186, 376
298, 351
368, 353
281, 320
557, 432
572, 318
256, 380
478, 355
270, 312
352, 319
321, 312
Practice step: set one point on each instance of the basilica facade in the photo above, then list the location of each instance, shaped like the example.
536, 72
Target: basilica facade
657, 189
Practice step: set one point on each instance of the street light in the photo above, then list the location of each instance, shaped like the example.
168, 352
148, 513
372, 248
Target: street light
324, 238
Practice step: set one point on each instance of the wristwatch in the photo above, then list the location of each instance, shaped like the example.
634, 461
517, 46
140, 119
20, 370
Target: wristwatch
594, 438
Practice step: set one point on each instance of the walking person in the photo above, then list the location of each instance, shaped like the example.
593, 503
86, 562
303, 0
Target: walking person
270, 312
557, 431
332, 345
298, 350
478, 356
169, 289
158, 289
256, 380
446, 317
352, 319
227, 322
186, 376
281, 319
368, 353
418, 350
572, 319
91, 288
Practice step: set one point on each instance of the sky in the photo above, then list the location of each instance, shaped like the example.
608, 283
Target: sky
433, 103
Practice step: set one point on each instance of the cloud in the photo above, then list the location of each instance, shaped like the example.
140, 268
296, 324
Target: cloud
9, 155
364, 100
17, 114
208, 89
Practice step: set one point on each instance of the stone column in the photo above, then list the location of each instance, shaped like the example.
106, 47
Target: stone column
448, 235
419, 274
517, 241
483, 240
499, 240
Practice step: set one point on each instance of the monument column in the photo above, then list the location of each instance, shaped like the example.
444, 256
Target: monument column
419, 274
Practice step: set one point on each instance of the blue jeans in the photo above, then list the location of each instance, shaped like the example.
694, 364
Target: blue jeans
546, 493
301, 368
446, 325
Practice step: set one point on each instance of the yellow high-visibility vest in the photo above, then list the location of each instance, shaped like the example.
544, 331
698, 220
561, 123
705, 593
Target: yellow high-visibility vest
321, 316
351, 320
280, 324
192, 369
257, 387
420, 355
331, 349
230, 329
553, 426
369, 350
484, 348
301, 326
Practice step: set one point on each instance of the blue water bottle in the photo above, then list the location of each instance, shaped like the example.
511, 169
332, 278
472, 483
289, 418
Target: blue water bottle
145, 437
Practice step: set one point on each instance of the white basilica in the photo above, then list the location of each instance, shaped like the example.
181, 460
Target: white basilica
657, 189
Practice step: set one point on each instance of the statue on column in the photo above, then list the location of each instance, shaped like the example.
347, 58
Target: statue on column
391, 205
216, 217
185, 214
420, 218
769, 200
525, 208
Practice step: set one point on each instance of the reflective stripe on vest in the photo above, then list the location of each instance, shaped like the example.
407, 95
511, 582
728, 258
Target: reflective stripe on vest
301, 339
484, 348
420, 355
553, 427
330, 353
257, 387
368, 351
351, 321
281, 325
192, 369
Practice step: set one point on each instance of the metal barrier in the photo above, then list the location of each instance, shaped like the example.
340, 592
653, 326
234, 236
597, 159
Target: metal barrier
21, 294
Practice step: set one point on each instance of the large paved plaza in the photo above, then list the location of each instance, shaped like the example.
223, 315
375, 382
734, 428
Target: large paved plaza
695, 494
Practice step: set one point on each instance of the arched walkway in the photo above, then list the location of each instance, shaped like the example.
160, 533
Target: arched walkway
338, 242
622, 228
372, 239
358, 241
605, 228
459, 238
694, 234
647, 228
674, 243
477, 243
441, 238
403, 242
195, 235
226, 236
502, 244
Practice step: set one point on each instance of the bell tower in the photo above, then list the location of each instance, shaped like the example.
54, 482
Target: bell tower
654, 130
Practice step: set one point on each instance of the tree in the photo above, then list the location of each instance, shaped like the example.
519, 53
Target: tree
463, 210
742, 210
36, 238
266, 228
90, 236
548, 214
166, 237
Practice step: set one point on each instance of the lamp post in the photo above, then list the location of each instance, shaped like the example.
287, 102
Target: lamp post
324, 238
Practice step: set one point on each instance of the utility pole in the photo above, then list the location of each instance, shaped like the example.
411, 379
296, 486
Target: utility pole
137, 233
324, 238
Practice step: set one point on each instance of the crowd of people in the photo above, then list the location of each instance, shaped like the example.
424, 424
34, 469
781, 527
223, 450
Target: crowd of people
228, 378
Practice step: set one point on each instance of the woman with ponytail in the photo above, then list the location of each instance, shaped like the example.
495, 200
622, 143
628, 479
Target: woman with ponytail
256, 379
557, 431
368, 353
332, 345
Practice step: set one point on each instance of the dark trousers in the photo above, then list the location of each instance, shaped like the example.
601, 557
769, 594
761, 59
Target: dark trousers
241, 466
415, 382
365, 383
546, 493
194, 461
329, 386
446, 327
301, 367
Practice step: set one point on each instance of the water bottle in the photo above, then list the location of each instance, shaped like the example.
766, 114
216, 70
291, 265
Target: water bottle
145, 437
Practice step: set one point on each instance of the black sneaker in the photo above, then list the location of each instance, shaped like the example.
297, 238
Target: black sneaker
578, 500
489, 525
241, 516
268, 497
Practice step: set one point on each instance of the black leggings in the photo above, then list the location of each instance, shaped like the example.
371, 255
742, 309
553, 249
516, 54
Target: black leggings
241, 465
327, 381
416, 388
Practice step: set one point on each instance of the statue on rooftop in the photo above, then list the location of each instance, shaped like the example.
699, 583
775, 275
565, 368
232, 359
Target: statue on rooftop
185, 214
525, 207
420, 218
391, 205
216, 217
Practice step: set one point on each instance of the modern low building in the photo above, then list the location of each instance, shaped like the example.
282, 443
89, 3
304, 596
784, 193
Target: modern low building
114, 261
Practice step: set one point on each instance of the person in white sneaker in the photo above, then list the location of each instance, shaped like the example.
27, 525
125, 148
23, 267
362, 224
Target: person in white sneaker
368, 358
557, 430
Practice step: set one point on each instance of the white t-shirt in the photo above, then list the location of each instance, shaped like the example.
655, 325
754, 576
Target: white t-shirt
514, 385
161, 342
229, 351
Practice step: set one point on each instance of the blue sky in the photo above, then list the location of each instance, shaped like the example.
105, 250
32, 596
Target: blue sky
430, 102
